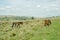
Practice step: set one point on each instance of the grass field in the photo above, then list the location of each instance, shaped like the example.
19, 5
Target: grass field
33, 30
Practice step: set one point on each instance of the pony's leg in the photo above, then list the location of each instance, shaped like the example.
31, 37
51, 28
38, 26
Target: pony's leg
12, 25
48, 25
18, 25
15, 25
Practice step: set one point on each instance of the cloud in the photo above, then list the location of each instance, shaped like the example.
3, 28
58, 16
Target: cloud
38, 5
31, 7
2, 8
8, 7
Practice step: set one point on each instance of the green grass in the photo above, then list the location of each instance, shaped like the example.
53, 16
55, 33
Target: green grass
32, 31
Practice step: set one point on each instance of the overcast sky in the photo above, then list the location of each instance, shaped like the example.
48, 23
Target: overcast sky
37, 8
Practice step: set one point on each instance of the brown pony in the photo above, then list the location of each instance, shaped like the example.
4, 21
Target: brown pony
47, 22
16, 24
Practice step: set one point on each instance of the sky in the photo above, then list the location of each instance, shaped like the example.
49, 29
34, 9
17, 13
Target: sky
36, 8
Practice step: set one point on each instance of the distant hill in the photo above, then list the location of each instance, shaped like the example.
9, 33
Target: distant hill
10, 17
6, 18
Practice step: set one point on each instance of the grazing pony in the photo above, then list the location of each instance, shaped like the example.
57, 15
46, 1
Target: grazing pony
16, 24
47, 22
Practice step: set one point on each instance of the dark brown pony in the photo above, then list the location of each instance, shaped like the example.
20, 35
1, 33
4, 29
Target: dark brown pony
16, 24
47, 22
